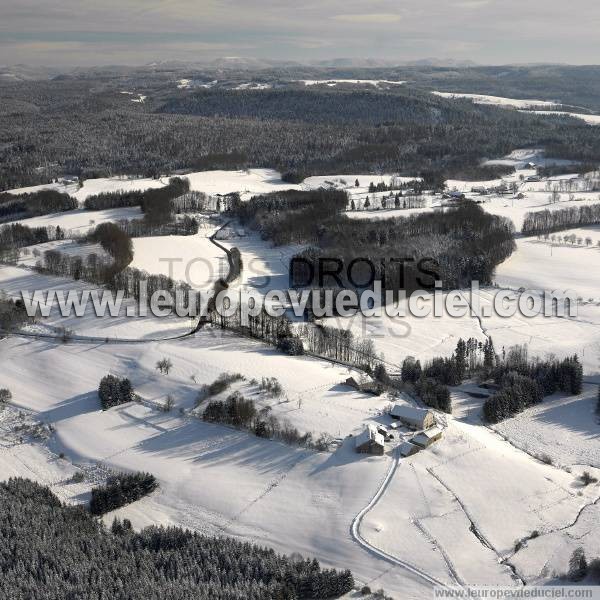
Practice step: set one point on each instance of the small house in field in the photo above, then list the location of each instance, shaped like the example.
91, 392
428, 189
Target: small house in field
370, 442
352, 383
417, 418
427, 437
368, 387
408, 449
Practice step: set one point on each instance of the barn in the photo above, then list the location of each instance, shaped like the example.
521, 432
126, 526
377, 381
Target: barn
408, 449
370, 442
427, 437
417, 418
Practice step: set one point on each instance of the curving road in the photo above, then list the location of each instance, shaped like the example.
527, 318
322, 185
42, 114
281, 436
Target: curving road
356, 522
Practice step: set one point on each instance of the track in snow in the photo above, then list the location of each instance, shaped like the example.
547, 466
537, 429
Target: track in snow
355, 531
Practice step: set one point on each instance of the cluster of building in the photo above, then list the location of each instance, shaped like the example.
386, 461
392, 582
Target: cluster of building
372, 440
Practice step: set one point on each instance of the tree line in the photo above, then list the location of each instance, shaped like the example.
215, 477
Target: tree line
15, 235
39, 536
43, 202
102, 272
159, 206
321, 340
121, 489
242, 413
290, 217
524, 382
548, 221
431, 381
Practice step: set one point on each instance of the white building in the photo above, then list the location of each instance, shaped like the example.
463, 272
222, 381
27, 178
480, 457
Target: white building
370, 441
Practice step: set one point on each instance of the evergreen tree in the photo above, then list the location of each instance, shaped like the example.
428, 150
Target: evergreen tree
380, 374
460, 358
113, 391
489, 354
578, 565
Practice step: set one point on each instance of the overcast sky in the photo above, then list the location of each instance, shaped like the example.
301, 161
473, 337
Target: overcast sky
84, 32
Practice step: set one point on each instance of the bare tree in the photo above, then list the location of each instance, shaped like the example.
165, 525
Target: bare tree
164, 365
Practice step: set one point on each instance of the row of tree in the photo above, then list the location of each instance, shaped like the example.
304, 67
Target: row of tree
547, 221
16, 235
43, 202
392, 201
107, 273
329, 342
120, 490
242, 413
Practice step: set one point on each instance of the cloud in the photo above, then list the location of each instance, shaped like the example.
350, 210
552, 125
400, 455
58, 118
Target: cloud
368, 18
139, 31
473, 3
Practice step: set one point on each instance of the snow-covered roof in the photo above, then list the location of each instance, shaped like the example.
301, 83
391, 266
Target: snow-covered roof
409, 413
407, 448
369, 434
427, 436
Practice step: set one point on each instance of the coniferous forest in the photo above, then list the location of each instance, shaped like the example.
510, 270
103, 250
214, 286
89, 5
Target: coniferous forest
457, 246
50, 551
84, 126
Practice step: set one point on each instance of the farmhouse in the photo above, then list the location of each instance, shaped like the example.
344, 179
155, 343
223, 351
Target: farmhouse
370, 442
408, 449
369, 387
427, 437
417, 418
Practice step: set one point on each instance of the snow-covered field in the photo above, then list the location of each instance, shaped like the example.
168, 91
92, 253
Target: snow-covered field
212, 478
250, 181
79, 221
31, 255
589, 119
548, 264
15, 280
192, 259
221, 481
498, 100
538, 107
91, 187
334, 82
564, 428
451, 514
